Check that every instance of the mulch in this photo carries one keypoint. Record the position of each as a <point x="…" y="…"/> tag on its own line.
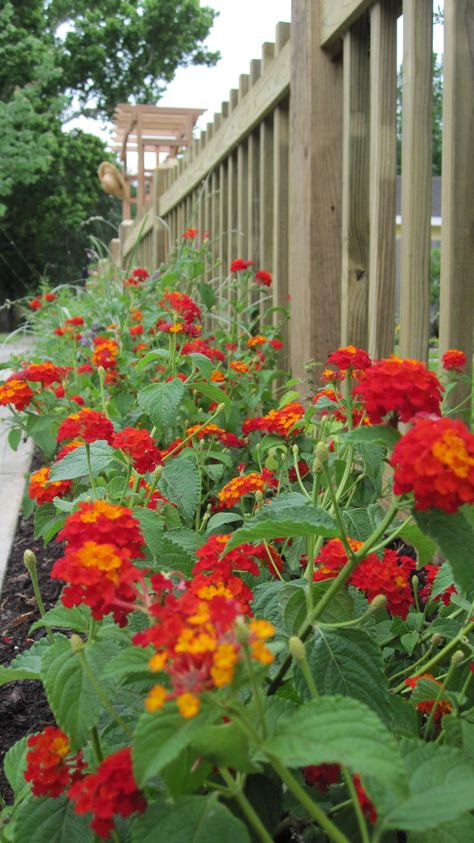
<point x="23" y="705"/>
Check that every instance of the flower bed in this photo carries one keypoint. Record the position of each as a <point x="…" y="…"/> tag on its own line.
<point x="265" y="625"/>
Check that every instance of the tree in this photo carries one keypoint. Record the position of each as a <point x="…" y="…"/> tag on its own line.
<point x="58" y="56"/>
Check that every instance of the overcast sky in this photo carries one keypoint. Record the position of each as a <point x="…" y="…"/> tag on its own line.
<point x="238" y="33"/>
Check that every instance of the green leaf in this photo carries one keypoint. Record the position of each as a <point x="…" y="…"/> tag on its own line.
<point x="74" y="465"/>
<point x="338" y="730"/>
<point x="460" y="830"/>
<point x="360" y="522"/>
<point x="161" y="401"/>
<point x="9" y="674"/>
<point x="347" y="662"/>
<point x="48" y="521"/>
<point x="151" y="525"/>
<point x="43" y="431"/>
<point x="160" y="737"/>
<point x="191" y="819"/>
<point x="71" y="696"/>
<point x="77" y="618"/>
<point x="455" y="537"/>
<point x="30" y="660"/>
<point x="441" y="787"/>
<point x="51" y="821"/>
<point x="207" y="294"/>
<point x="131" y="661"/>
<point x="424" y="546"/>
<point x="224" y="745"/>
<point x="14" y="438"/>
<point x="374" y="434"/>
<point x="287" y="515"/>
<point x="181" y="484"/>
<point x="220" y="519"/>
<point x="15" y="765"/>
<point x="213" y="393"/>
<point x="203" y="364"/>
<point x="155" y="354"/>
<point x="295" y="607"/>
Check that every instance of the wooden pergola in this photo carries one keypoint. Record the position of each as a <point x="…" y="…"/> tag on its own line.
<point x="149" y="128"/>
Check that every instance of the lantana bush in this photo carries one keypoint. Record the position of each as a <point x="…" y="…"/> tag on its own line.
<point x="265" y="630"/>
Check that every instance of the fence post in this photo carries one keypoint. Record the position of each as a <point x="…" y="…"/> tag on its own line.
<point x="160" y="183"/>
<point x="125" y="228"/>
<point x="457" y="209"/>
<point x="315" y="191"/>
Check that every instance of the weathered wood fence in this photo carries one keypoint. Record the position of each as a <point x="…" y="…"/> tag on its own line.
<point x="298" y="173"/>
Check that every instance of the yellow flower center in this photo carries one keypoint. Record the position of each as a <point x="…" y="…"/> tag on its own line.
<point x="451" y="450"/>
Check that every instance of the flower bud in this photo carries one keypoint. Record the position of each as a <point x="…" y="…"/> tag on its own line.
<point x="76" y="643"/>
<point x="317" y="465"/>
<point x="321" y="451"/>
<point x="457" y="657"/>
<point x="379" y="602"/>
<point x="259" y="496"/>
<point x="220" y="408"/>
<point x="437" y="640"/>
<point x="295" y="450"/>
<point x="297" y="648"/>
<point x="101" y="373"/>
<point x="29" y="559"/>
<point x="242" y="633"/>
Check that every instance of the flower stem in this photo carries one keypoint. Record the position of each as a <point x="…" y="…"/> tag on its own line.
<point x="30" y="565"/>
<point x="364" y="833"/>
<point x="89" y="468"/>
<point x="253" y="818"/>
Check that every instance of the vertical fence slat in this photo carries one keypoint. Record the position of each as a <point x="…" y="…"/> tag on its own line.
<point x="266" y="207"/>
<point x="253" y="189"/>
<point x="315" y="191"/>
<point x="355" y="185"/>
<point x="242" y="180"/>
<point x="415" y="246"/>
<point x="457" y="239"/>
<point x="281" y="141"/>
<point x="382" y="191"/>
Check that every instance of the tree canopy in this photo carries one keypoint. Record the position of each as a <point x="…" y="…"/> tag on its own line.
<point x="63" y="57"/>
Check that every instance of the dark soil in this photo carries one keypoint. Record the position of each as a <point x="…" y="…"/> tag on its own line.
<point x="23" y="705"/>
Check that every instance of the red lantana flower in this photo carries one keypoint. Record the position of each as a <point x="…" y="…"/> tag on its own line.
<point x="43" y="490"/>
<point x="426" y="706"/>
<point x="263" y="278"/>
<point x="140" y="273"/>
<point x="45" y="373"/>
<point x="88" y="425"/>
<point x="181" y="304"/>
<point x="16" y="392"/>
<point x="77" y="321"/>
<point x="390" y="576"/>
<point x="106" y="351"/>
<point x="201" y="347"/>
<point x="278" y="422"/>
<point x="322" y="776"/>
<point x="49" y="297"/>
<point x="229" y="440"/>
<point x="398" y="387"/>
<point x="140" y="447"/>
<point x="107" y="524"/>
<point x="190" y="234"/>
<point x="110" y="790"/>
<point x="435" y="460"/>
<point x="49" y="765"/>
<point x="236" y="488"/>
<point x="240" y="265"/>
<point x="34" y="304"/>
<point x="454" y="360"/>
<point x="349" y="358"/>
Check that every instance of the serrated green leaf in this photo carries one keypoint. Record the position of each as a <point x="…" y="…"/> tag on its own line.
<point x="287" y="515"/>
<point x="181" y="484"/>
<point x="225" y="746"/>
<point x="460" y="830"/>
<point x="441" y="787"/>
<point x="424" y="546"/>
<point x="160" y="737"/>
<point x="374" y="434"/>
<point x="455" y="538"/>
<point x="31" y="658"/>
<point x="347" y="662"/>
<point x="155" y="354"/>
<point x="203" y="364"/>
<point x="14" y="438"/>
<point x="50" y="821"/>
<point x="129" y="662"/>
<point x="339" y="730"/>
<point x="74" y="465"/>
<point x="14" y="765"/>
<point x="213" y="393"/>
<point x="295" y="608"/>
<point x="71" y="696"/>
<point x="191" y="819"/>
<point x="161" y="401"/>
<point x="76" y="618"/>
<point x="220" y="519"/>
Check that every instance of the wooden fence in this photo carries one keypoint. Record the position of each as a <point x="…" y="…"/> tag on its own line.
<point x="298" y="173"/>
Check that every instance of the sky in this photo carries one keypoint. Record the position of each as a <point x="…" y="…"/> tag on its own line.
<point x="238" y="33"/>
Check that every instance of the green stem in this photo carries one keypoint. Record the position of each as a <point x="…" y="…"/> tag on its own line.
<point x="96" y="745"/>
<point x="364" y="833"/>
<point x="89" y="468"/>
<point x="246" y="807"/>
<point x="30" y="565"/>
<point x="312" y="807"/>
<point x="442" y="688"/>
<point x="126" y="484"/>
<point x="102" y="696"/>
<point x="426" y="667"/>
<point x="256" y="692"/>
<point x="333" y="589"/>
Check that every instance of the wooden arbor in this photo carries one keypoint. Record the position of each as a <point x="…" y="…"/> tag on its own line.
<point x="141" y="129"/>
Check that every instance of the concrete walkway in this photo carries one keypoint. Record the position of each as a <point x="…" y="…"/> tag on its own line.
<point x="13" y="467"/>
